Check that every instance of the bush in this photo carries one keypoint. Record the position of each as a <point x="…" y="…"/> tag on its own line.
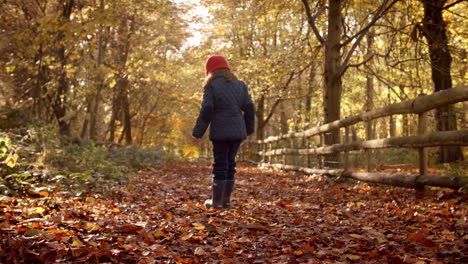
<point x="39" y="160"/>
<point x="14" y="118"/>
<point x="136" y="158"/>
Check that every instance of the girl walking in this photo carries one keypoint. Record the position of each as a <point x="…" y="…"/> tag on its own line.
<point x="228" y="109"/>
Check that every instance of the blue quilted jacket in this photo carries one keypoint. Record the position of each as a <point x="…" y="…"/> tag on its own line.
<point x="228" y="109"/>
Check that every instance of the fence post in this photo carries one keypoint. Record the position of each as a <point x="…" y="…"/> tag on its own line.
<point x="292" y="162"/>
<point x="422" y="124"/>
<point x="305" y="143"/>
<point x="277" y="146"/>
<point x="320" y="157"/>
<point x="264" y="149"/>
<point x="346" y="153"/>
<point x="284" y="154"/>
<point x="274" y="146"/>
<point x="269" y="150"/>
<point x="368" y="152"/>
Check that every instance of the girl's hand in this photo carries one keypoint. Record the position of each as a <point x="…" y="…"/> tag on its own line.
<point x="195" y="139"/>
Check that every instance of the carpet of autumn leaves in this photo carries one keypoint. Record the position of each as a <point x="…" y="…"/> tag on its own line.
<point x="276" y="218"/>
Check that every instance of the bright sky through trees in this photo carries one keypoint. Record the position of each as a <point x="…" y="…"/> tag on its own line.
<point x="197" y="16"/>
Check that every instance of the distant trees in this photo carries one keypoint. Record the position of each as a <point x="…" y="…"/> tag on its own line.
<point x="83" y="65"/>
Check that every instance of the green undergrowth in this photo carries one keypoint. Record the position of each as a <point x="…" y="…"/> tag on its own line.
<point x="38" y="162"/>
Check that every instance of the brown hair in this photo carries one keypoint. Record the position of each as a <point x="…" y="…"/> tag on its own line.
<point x="224" y="72"/>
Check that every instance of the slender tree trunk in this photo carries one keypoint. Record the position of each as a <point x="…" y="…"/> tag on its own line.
<point x="145" y="121"/>
<point x="114" y="116"/>
<point x="369" y="102"/>
<point x="59" y="103"/>
<point x="333" y="82"/>
<point x="283" y="120"/>
<point x="84" y="127"/>
<point x="308" y="98"/>
<point x="435" y="32"/>
<point x="127" y="117"/>
<point x="121" y="105"/>
<point x="37" y="93"/>
<point x="99" y="83"/>
<point x="369" y="86"/>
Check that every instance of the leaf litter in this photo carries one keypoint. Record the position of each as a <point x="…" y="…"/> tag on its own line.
<point x="277" y="217"/>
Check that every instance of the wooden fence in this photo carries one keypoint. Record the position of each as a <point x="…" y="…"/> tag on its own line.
<point x="273" y="148"/>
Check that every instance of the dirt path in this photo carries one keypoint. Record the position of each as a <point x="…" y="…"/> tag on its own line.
<point x="277" y="218"/>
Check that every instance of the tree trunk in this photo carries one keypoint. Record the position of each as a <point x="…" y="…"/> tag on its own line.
<point x="308" y="98"/>
<point x="120" y="103"/>
<point x="333" y="82"/>
<point x="369" y="103"/>
<point x="84" y="127"/>
<point x="59" y="103"/>
<point x="283" y="119"/>
<point x="127" y="116"/>
<point x="435" y="33"/>
<point x="99" y="83"/>
<point x="41" y="79"/>
<point x="114" y="114"/>
<point x="145" y="122"/>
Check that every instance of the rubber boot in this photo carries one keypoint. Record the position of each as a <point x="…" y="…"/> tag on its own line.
<point x="228" y="187"/>
<point x="217" y="199"/>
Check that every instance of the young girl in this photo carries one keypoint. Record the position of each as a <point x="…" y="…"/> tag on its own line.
<point x="228" y="109"/>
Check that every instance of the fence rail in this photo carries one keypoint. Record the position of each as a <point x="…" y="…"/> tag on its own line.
<point x="274" y="147"/>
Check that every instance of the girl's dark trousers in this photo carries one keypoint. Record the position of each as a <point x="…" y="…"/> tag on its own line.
<point x="224" y="153"/>
<point x="224" y="168"/>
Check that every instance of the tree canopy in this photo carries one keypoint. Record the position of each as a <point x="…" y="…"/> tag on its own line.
<point x="126" y="71"/>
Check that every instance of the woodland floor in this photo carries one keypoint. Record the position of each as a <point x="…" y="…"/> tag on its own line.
<point x="276" y="218"/>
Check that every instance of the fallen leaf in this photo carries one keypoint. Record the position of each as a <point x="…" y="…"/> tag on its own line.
<point x="76" y="242"/>
<point x="10" y="161"/>
<point x="298" y="253"/>
<point x="160" y="234"/>
<point x="356" y="236"/>
<point x="199" y="251"/>
<point x="351" y="257"/>
<point x="199" y="226"/>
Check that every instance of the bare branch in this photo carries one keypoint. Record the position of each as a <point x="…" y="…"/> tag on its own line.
<point x="360" y="63"/>
<point x="381" y="10"/>
<point x="454" y="3"/>
<point x="290" y="78"/>
<point x="311" y="20"/>
<point x="286" y="85"/>
<point x="360" y="35"/>
<point x="387" y="83"/>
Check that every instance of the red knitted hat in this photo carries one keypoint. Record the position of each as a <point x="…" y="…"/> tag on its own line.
<point x="216" y="62"/>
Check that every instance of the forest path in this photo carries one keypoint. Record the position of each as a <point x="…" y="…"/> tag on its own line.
<point x="277" y="217"/>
